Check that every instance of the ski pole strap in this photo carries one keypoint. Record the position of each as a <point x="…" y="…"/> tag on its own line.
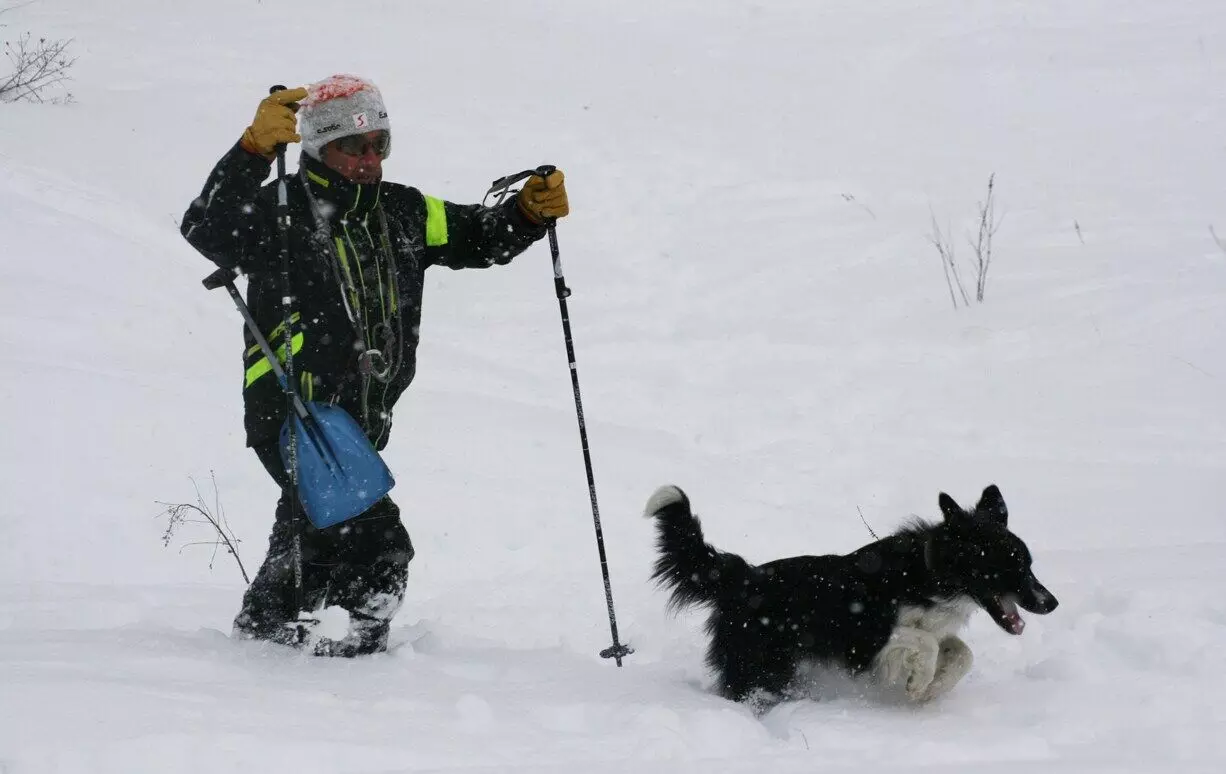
<point x="501" y="187"/>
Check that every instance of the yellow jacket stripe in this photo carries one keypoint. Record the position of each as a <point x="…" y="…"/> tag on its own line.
<point x="276" y="333"/>
<point x="436" y="222"/>
<point x="262" y="366"/>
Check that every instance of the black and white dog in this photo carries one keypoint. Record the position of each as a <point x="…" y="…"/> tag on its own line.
<point x="890" y="610"/>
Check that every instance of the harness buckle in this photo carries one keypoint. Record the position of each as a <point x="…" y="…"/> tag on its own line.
<point x="372" y="363"/>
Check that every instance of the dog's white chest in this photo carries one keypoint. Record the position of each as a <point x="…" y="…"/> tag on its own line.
<point x="942" y="620"/>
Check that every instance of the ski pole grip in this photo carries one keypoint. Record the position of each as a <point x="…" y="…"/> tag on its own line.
<point x="281" y="146"/>
<point x="220" y="278"/>
<point x="545" y="170"/>
<point x="274" y="89"/>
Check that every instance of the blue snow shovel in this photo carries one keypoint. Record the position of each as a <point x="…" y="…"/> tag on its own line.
<point x="340" y="475"/>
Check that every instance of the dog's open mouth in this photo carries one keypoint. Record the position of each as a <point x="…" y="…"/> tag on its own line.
<point x="1004" y="610"/>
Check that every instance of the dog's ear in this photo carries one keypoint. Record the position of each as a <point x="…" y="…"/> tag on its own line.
<point x="992" y="506"/>
<point x="950" y="509"/>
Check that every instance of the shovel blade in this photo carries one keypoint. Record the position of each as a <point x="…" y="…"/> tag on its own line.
<point x="340" y="475"/>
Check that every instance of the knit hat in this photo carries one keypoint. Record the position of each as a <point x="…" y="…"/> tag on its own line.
<point x="338" y="107"/>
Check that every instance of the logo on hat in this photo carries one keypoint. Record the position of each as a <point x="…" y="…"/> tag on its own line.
<point x="359" y="120"/>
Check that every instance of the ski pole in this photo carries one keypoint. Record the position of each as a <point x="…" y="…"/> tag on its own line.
<point x="287" y="305"/>
<point x="617" y="651"/>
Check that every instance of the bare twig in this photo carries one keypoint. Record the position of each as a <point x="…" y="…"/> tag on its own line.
<point x="37" y="65"/>
<point x="870" y="529"/>
<point x="1217" y="239"/>
<point x="178" y="514"/>
<point x="14" y="8"/>
<point x="982" y="243"/>
<point x="945" y="249"/>
<point x="852" y="200"/>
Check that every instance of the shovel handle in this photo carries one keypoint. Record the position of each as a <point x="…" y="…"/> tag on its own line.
<point x="220" y="278"/>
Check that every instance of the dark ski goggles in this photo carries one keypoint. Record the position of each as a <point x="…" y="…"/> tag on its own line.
<point x="358" y="144"/>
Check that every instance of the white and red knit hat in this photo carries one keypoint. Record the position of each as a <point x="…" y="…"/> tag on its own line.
<point x="338" y="107"/>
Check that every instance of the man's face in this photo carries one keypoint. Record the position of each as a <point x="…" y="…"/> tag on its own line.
<point x="358" y="157"/>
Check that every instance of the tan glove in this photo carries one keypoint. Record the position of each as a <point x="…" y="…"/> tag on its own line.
<point x="274" y="123"/>
<point x="544" y="198"/>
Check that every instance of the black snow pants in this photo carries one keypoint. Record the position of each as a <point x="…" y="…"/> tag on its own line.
<point x="360" y="566"/>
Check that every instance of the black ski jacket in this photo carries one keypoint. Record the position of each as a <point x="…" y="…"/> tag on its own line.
<point x="358" y="256"/>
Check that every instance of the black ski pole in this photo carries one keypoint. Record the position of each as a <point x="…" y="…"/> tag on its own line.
<point x="617" y="651"/>
<point x="287" y="302"/>
<point x="285" y="374"/>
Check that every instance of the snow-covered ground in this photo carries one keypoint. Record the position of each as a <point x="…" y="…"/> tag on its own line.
<point x="758" y="317"/>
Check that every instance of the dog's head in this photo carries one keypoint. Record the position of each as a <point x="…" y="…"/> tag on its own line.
<point x="975" y="554"/>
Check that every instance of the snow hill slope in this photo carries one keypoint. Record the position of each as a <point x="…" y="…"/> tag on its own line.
<point x="759" y="318"/>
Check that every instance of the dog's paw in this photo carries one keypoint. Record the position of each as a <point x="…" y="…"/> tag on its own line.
<point x="953" y="663"/>
<point x="921" y="670"/>
<point x="909" y="660"/>
<point x="891" y="664"/>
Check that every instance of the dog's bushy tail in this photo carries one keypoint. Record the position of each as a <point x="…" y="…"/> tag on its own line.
<point x="693" y="570"/>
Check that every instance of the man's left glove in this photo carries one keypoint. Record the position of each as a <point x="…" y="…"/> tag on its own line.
<point x="544" y="198"/>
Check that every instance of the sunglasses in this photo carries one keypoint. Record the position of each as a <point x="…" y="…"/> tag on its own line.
<point x="359" y="144"/>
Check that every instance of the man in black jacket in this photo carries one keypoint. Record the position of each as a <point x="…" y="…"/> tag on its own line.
<point x="359" y="249"/>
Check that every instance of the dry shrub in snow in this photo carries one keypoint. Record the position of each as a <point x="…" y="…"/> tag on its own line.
<point x="35" y="65"/>
<point x="981" y="246"/>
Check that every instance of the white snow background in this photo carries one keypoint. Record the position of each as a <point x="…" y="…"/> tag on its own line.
<point x="758" y="317"/>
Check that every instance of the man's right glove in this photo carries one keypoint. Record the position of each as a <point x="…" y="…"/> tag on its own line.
<point x="274" y="123"/>
<point x="544" y="198"/>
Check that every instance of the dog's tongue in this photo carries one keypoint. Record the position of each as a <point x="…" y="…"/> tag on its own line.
<point x="1013" y="619"/>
